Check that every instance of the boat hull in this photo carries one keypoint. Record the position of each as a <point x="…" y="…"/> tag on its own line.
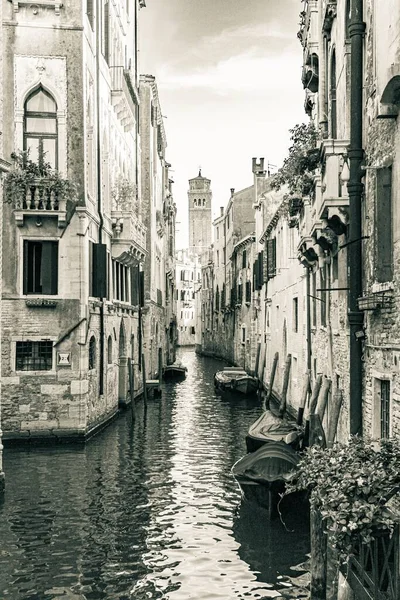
<point x="235" y="381"/>
<point x="174" y="372"/>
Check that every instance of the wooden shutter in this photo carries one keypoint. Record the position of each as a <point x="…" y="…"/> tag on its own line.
<point x="49" y="267"/>
<point x="106" y="32"/>
<point x="384" y="225"/>
<point x="141" y="288"/>
<point x="99" y="270"/>
<point x="271" y="258"/>
<point x="260" y="269"/>
<point x="244" y="259"/>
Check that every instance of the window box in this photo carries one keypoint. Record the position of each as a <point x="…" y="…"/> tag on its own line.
<point x="375" y="301"/>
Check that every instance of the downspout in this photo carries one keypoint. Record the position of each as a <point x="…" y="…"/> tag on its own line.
<point x="308" y="313"/>
<point x="99" y="190"/>
<point x="323" y="120"/>
<point x="355" y="189"/>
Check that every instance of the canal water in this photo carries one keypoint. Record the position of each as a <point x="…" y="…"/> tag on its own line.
<point x="147" y="509"/>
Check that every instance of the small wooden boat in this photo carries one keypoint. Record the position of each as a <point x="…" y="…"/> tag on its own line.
<point x="235" y="379"/>
<point x="271" y="428"/>
<point x="175" y="371"/>
<point x="262" y="474"/>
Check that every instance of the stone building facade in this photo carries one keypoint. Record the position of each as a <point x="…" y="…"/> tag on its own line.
<point x="188" y="283"/>
<point x="73" y="294"/>
<point x="158" y="213"/>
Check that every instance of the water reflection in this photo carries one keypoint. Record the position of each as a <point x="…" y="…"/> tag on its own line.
<point x="148" y="509"/>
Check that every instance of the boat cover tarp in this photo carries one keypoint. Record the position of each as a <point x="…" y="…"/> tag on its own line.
<point x="271" y="427"/>
<point x="275" y="461"/>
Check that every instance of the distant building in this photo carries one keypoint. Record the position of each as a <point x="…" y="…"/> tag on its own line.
<point x="199" y="199"/>
<point x="188" y="281"/>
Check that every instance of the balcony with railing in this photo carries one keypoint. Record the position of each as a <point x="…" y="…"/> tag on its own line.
<point x="124" y="96"/>
<point x="39" y="199"/>
<point x="334" y="199"/>
<point x="128" y="243"/>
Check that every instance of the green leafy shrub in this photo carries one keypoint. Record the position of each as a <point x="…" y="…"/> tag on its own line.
<point x="349" y="486"/>
<point x="297" y="171"/>
<point x="27" y="173"/>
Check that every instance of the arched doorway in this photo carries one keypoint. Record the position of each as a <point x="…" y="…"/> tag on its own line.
<point x="123" y="366"/>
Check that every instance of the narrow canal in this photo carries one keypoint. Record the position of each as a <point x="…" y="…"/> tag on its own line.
<point x="147" y="509"/>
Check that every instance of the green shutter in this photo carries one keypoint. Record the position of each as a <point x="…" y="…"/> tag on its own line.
<point x="384" y="225"/>
<point x="99" y="270"/>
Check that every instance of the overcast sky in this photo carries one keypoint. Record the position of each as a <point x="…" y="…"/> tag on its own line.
<point x="228" y="74"/>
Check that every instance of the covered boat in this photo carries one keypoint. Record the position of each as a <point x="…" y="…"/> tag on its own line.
<point x="175" y="371"/>
<point x="262" y="474"/>
<point x="271" y="428"/>
<point x="235" y="379"/>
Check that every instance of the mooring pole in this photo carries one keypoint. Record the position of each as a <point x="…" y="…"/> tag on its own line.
<point x="271" y="381"/>
<point x="144" y="380"/>
<point x="285" y="385"/>
<point x="131" y="386"/>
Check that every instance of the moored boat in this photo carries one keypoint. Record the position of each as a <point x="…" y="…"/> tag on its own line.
<point x="235" y="379"/>
<point x="271" y="428"/>
<point x="263" y="474"/>
<point x="175" y="371"/>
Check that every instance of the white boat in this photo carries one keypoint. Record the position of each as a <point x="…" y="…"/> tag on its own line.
<point x="235" y="379"/>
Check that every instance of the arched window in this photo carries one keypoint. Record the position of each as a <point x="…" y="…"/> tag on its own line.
<point x="195" y="202"/>
<point x="204" y="202"/>
<point x="40" y="127"/>
<point x="109" y="350"/>
<point x="333" y="116"/>
<point x="92" y="353"/>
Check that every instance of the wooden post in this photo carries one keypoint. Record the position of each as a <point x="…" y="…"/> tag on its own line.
<point x="323" y="398"/>
<point x="318" y="557"/>
<point x="144" y="380"/>
<point x="271" y="381"/>
<point x="311" y="408"/>
<point x="257" y="359"/>
<point x="314" y="394"/>
<point x="282" y="407"/>
<point x="304" y="394"/>
<point x="334" y="417"/>
<point x="131" y="386"/>
<point x="160" y="364"/>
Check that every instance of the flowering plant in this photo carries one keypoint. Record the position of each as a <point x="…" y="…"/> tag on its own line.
<point x="349" y="485"/>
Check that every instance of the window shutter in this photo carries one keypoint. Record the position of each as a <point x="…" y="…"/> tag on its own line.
<point x="271" y="258"/>
<point x="99" y="270"/>
<point x="135" y="285"/>
<point x="26" y="269"/>
<point x="49" y="267"/>
<point x="107" y="32"/>
<point x="90" y="12"/>
<point x="384" y="226"/>
<point x="141" y="288"/>
<point x="260" y="269"/>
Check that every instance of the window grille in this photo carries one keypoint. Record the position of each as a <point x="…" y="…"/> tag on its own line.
<point x="34" y="356"/>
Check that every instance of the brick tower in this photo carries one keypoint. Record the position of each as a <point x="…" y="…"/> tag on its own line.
<point x="199" y="198"/>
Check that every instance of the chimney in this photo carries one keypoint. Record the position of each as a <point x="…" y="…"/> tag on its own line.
<point x="232" y="191"/>
<point x="221" y="208"/>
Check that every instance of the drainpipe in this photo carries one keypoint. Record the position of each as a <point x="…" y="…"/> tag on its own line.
<point x="355" y="189"/>
<point x="99" y="190"/>
<point x="308" y="311"/>
<point x="323" y="121"/>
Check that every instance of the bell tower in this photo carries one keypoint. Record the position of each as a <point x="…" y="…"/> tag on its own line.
<point x="199" y="198"/>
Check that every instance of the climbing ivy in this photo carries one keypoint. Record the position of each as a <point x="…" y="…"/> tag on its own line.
<point x="349" y="486"/>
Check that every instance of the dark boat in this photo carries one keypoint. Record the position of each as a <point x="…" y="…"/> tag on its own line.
<point x="262" y="474"/>
<point x="271" y="428"/>
<point x="175" y="371"/>
<point x="235" y="379"/>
